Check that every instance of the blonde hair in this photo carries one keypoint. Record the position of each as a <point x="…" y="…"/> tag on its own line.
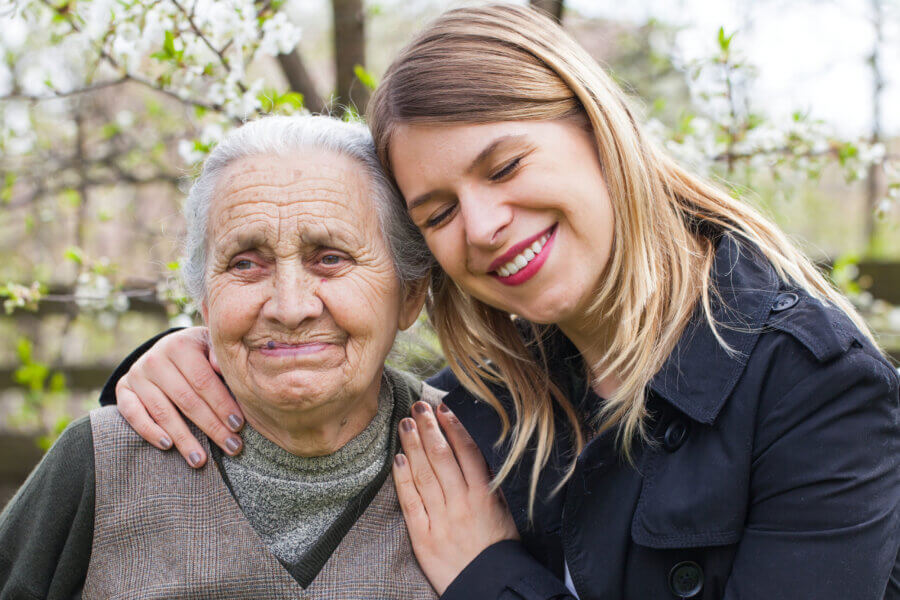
<point x="504" y="63"/>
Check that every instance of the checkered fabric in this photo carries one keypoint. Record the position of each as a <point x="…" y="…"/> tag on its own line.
<point x="165" y="530"/>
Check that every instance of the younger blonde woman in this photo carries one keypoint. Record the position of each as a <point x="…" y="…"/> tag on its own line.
<point x="686" y="407"/>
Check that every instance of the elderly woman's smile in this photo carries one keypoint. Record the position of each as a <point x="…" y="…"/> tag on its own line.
<point x="302" y="299"/>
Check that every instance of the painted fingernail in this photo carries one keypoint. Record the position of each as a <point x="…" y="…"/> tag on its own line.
<point x="444" y="408"/>
<point x="407" y="425"/>
<point x="194" y="459"/>
<point x="165" y="442"/>
<point x="233" y="444"/>
<point x="235" y="422"/>
<point x="399" y="460"/>
<point x="421" y="407"/>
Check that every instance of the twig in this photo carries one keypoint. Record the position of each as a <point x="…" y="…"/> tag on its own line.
<point x="209" y="45"/>
<point x="66" y="94"/>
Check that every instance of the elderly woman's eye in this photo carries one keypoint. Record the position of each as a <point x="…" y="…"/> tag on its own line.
<point x="332" y="259"/>
<point x="243" y="265"/>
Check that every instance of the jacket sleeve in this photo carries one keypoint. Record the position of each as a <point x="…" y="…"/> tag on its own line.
<point x="824" y="520"/>
<point x="108" y="395"/>
<point x="46" y="530"/>
<point x="506" y="571"/>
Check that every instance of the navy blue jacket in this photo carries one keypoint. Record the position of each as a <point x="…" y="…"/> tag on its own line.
<point x="772" y="472"/>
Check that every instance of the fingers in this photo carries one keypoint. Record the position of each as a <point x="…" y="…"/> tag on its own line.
<point x="410" y="502"/>
<point x="189" y="355"/>
<point x="193" y="406"/>
<point x="440" y="454"/>
<point x="130" y="407"/>
<point x="468" y="454"/>
<point x="164" y="413"/>
<point x="423" y="476"/>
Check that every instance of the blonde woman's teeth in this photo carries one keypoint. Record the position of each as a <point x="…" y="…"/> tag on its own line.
<point x="525" y="257"/>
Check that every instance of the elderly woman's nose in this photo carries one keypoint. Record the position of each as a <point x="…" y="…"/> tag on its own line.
<point x="484" y="216"/>
<point x="293" y="297"/>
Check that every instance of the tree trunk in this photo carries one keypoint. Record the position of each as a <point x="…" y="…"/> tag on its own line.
<point x="876" y="170"/>
<point x="553" y="8"/>
<point x="349" y="51"/>
<point x="298" y="78"/>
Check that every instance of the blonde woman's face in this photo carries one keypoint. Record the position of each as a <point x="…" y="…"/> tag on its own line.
<point x="516" y="212"/>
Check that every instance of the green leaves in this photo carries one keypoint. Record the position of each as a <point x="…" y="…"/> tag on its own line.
<point x="273" y="102"/>
<point x="9" y="180"/>
<point x="847" y="151"/>
<point x="168" y="52"/>
<point x="844" y="273"/>
<point x="75" y="254"/>
<point x="70" y="197"/>
<point x="725" y="40"/>
<point x="31" y="374"/>
<point x="365" y="77"/>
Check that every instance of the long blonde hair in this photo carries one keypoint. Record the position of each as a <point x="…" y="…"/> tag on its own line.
<point x="504" y="63"/>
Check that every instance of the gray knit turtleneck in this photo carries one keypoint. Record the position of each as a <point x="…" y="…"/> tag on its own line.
<point x="292" y="500"/>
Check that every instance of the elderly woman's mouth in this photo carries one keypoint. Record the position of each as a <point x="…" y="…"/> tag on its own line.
<point x="276" y="349"/>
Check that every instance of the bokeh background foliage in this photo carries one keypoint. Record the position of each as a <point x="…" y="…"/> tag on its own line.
<point x="108" y="106"/>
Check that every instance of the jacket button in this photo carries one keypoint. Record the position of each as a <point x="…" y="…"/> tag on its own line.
<point x="686" y="579"/>
<point x="785" y="301"/>
<point x="676" y="434"/>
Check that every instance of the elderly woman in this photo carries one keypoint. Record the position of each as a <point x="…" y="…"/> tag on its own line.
<point x="305" y="269"/>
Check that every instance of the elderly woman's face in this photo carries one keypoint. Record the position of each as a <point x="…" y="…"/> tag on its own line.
<point x="302" y="299"/>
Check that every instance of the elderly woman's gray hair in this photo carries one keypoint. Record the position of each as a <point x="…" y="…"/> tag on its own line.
<point x="282" y="136"/>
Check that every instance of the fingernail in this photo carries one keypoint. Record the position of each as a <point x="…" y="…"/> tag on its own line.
<point x="421" y="407"/>
<point x="399" y="460"/>
<point x="235" y="422"/>
<point x="407" y="425"/>
<point x="165" y="442"/>
<point x="233" y="444"/>
<point x="194" y="459"/>
<point x="444" y="408"/>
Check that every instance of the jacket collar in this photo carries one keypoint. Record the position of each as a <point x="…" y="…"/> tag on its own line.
<point x="700" y="374"/>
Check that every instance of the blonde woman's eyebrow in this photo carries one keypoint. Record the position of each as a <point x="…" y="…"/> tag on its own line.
<point x="481" y="158"/>
<point x="490" y="148"/>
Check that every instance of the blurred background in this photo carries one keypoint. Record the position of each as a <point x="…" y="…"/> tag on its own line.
<point x="108" y="106"/>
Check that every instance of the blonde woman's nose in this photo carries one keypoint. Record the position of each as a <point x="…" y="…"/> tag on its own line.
<point x="485" y="217"/>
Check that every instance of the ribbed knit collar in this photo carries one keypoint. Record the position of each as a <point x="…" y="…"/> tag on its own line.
<point x="264" y="456"/>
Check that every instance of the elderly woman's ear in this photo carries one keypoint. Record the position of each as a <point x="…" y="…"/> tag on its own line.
<point x="416" y="293"/>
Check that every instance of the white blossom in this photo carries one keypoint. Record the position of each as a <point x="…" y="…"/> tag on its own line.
<point x="15" y="32"/>
<point x="189" y="153"/>
<point x="125" y="119"/>
<point x="280" y="36"/>
<point x="181" y="320"/>
<point x="893" y="318"/>
<point x="119" y="303"/>
<point x="211" y="134"/>
<point x="92" y="291"/>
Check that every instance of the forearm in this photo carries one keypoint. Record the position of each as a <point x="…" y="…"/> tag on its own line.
<point x="108" y="394"/>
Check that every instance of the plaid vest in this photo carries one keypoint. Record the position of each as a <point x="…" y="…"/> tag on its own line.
<point x="165" y="530"/>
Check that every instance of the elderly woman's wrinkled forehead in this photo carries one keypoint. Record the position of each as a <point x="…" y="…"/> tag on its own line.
<point x="321" y="201"/>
